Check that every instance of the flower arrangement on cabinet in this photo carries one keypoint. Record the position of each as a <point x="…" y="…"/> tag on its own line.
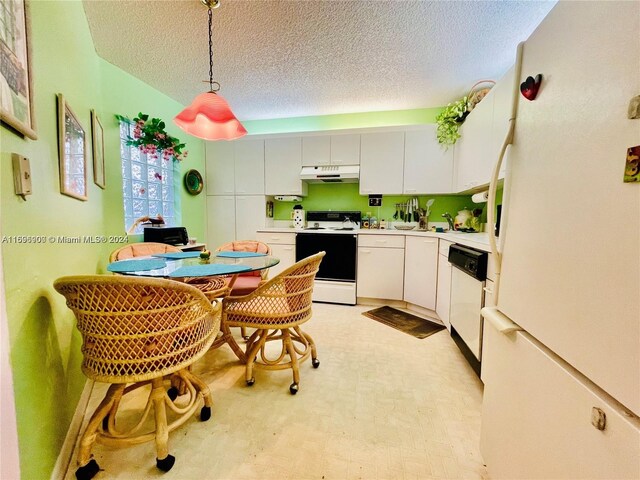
<point x="151" y="138"/>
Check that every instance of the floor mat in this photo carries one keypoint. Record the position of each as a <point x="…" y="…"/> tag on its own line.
<point x="405" y="322"/>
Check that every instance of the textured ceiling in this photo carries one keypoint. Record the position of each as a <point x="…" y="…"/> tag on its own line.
<point x="296" y="58"/>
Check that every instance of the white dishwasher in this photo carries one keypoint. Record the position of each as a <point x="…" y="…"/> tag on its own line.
<point x="467" y="299"/>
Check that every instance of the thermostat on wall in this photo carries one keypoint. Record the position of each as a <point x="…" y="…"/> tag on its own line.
<point x="21" y="175"/>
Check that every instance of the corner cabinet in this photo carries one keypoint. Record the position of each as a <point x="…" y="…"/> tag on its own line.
<point x="381" y="163"/>
<point x="282" y="165"/>
<point x="421" y="271"/>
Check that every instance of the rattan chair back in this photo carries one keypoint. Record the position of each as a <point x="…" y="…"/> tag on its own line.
<point x="247" y="246"/>
<point x="142" y="249"/>
<point x="284" y="301"/>
<point x="136" y="329"/>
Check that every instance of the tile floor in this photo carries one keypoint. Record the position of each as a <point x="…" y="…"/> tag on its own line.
<point x="382" y="405"/>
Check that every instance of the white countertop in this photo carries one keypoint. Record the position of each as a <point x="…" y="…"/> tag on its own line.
<point x="473" y="240"/>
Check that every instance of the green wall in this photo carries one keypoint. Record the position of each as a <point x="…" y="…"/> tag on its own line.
<point x="346" y="197"/>
<point x="45" y="347"/>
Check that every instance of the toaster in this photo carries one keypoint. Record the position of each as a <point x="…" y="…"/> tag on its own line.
<point x="169" y="235"/>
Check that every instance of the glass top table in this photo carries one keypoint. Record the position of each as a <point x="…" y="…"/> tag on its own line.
<point x="251" y="264"/>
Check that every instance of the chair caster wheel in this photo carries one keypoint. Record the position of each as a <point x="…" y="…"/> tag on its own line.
<point x="251" y="381"/>
<point x="205" y="414"/>
<point x="166" y="463"/>
<point x="88" y="471"/>
<point x="293" y="388"/>
<point x="315" y="362"/>
<point x="173" y="393"/>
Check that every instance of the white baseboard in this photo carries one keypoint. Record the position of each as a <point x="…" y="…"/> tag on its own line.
<point x="424" y="312"/>
<point x="378" y="302"/>
<point x="66" y="452"/>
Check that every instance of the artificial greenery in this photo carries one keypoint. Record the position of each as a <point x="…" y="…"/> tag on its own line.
<point x="151" y="138"/>
<point x="450" y="119"/>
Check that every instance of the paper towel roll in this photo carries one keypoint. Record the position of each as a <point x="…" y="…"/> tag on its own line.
<point x="481" y="197"/>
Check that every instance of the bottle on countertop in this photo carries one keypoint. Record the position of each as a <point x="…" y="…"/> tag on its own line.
<point x="383" y="224"/>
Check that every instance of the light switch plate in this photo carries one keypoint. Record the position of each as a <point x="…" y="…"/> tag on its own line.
<point x="21" y="174"/>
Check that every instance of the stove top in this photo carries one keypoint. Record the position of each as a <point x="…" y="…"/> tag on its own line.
<point x="333" y="221"/>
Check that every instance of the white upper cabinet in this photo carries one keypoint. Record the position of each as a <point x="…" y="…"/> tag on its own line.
<point x="220" y="159"/>
<point x="482" y="135"/>
<point x="249" y="167"/>
<point x="473" y="162"/>
<point x="282" y="165"/>
<point x="381" y="163"/>
<point x="428" y="167"/>
<point x="316" y="151"/>
<point x="345" y="149"/>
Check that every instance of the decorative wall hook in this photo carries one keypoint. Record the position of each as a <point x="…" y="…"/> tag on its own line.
<point x="529" y="88"/>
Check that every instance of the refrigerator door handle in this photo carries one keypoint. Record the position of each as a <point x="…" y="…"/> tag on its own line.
<point x="499" y="320"/>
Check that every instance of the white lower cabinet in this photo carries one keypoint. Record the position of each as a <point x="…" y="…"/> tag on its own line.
<point x="380" y="269"/>
<point x="250" y="216"/>
<point x="443" y="297"/>
<point x="221" y="220"/>
<point x="232" y="218"/>
<point x="420" y="271"/>
<point x="283" y="247"/>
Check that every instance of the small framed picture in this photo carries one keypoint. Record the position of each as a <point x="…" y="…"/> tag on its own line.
<point x="16" y="106"/>
<point x="72" y="152"/>
<point x="97" y="137"/>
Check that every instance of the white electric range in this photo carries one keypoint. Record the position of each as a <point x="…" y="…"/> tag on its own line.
<point x="334" y="232"/>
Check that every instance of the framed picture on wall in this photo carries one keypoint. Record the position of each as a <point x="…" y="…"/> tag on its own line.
<point x="97" y="137"/>
<point x="72" y="152"/>
<point x="16" y="98"/>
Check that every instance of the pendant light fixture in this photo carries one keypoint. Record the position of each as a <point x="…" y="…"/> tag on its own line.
<point x="209" y="116"/>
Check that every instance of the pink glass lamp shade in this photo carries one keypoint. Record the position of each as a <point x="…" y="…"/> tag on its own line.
<point x="209" y="117"/>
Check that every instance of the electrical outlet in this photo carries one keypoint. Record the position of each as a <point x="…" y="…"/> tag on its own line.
<point x="21" y="175"/>
<point x="375" y="200"/>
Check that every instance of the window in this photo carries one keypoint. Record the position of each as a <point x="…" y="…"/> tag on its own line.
<point x="147" y="183"/>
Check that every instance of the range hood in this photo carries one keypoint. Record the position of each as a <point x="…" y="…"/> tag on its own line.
<point x="331" y="174"/>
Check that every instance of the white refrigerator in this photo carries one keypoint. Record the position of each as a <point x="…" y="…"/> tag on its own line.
<point x="561" y="349"/>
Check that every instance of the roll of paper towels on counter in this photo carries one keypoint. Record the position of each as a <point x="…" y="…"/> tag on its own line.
<point x="481" y="197"/>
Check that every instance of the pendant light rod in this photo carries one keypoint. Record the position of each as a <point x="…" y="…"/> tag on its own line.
<point x="209" y="116"/>
<point x="211" y="4"/>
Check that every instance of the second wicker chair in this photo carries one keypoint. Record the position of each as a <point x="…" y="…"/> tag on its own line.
<point x="276" y="309"/>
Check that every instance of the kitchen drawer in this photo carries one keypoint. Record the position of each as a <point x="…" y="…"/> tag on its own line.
<point x="276" y="238"/>
<point x="388" y="241"/>
<point x="443" y="249"/>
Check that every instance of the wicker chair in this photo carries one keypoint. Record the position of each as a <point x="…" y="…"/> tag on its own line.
<point x="138" y="331"/>
<point x="247" y="282"/>
<point x="142" y="249"/>
<point x="276" y="309"/>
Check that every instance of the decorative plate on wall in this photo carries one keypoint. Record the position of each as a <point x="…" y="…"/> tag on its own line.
<point x="193" y="182"/>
